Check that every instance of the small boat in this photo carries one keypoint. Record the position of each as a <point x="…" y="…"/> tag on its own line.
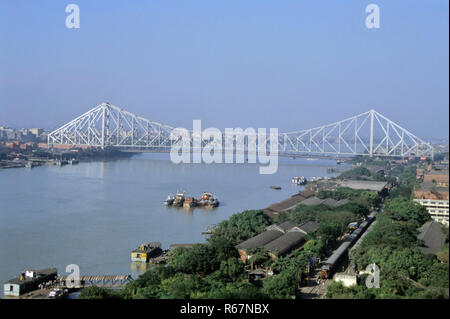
<point x="189" y="202"/>
<point x="29" y="164"/>
<point x="169" y="200"/>
<point x="146" y="251"/>
<point x="275" y="187"/>
<point x="179" y="199"/>
<point x="208" y="200"/>
<point x="213" y="202"/>
<point x="203" y="201"/>
<point x="73" y="161"/>
<point x="60" y="162"/>
<point x="299" y="180"/>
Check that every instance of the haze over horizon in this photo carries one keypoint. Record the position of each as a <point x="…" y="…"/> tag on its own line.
<point x="291" y="65"/>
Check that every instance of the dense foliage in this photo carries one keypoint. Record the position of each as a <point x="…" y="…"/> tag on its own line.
<point x="361" y="197"/>
<point x="240" y="227"/>
<point x="359" y="172"/>
<point x="405" y="272"/>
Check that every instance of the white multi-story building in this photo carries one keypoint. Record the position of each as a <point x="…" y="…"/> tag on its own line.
<point x="438" y="208"/>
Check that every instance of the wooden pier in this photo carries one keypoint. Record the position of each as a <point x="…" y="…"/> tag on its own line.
<point x="107" y="281"/>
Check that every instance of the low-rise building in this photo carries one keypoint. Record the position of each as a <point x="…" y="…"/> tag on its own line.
<point x="439" y="177"/>
<point x="287" y="204"/>
<point x="375" y="186"/>
<point x="28" y="281"/>
<point x="432" y="237"/>
<point x="435" y="199"/>
<point x="279" y="240"/>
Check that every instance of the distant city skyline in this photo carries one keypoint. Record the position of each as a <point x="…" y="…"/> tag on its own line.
<point x="291" y="65"/>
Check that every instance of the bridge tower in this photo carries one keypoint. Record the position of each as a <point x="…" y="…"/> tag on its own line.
<point x="372" y="113"/>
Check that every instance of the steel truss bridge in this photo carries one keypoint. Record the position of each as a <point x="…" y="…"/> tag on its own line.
<point x="366" y="134"/>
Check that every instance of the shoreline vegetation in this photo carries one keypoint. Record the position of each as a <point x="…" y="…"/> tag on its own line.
<point x="213" y="269"/>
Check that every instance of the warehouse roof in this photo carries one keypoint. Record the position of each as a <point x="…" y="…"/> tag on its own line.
<point x="364" y="185"/>
<point x="432" y="236"/>
<point x="285" y="243"/>
<point x="261" y="239"/>
<point x="40" y="273"/>
<point x="309" y="227"/>
<point x="312" y="201"/>
<point x="284" y="226"/>
<point x="288" y="203"/>
<point x="280" y="239"/>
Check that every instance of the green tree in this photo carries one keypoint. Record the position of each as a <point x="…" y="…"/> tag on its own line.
<point x="95" y="292"/>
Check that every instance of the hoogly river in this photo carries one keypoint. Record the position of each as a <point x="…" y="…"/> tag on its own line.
<point x="94" y="213"/>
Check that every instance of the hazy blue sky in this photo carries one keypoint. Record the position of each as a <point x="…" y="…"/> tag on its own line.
<point x="249" y="63"/>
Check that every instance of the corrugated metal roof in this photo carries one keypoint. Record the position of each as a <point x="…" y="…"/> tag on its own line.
<point x="285" y="243"/>
<point x="312" y="201"/>
<point x="261" y="239"/>
<point x="279" y="239"/>
<point x="432" y="236"/>
<point x="309" y="227"/>
<point x="40" y="273"/>
<point x="284" y="226"/>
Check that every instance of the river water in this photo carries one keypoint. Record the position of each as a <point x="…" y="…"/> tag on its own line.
<point x="94" y="213"/>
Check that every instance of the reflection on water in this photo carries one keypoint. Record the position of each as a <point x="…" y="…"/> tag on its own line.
<point x="93" y="214"/>
<point x="138" y="268"/>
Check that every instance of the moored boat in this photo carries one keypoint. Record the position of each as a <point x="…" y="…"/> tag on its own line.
<point x="208" y="200"/>
<point x="179" y="199"/>
<point x="299" y="180"/>
<point x="189" y="202"/>
<point x="169" y="200"/>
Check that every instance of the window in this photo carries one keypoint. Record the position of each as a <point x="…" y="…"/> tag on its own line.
<point x="11" y="288"/>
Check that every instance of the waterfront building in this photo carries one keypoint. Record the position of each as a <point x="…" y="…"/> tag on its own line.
<point x="28" y="281"/>
<point x="287" y="204"/>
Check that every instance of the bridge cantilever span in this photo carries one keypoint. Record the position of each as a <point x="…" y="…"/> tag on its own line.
<point x="368" y="134"/>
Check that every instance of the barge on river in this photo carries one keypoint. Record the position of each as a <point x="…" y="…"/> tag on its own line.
<point x="146" y="251"/>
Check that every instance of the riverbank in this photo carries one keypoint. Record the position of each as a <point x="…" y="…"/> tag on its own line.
<point x="58" y="157"/>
